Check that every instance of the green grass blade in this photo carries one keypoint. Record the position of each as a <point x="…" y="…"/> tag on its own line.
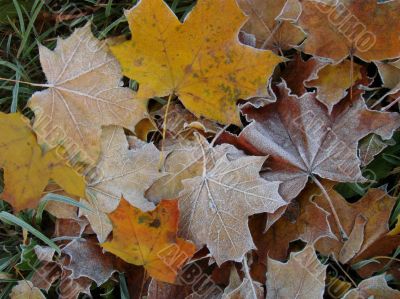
<point x="7" y="217"/>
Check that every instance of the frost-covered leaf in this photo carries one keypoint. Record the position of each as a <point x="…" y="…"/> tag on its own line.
<point x="302" y="277"/>
<point x="371" y="212"/>
<point x="333" y="80"/>
<point x="238" y="289"/>
<point x="24" y="290"/>
<point x="270" y="31"/>
<point x="298" y="71"/>
<point x="88" y="260"/>
<point x="303" y="139"/>
<point x="123" y="171"/>
<point x="302" y="220"/>
<point x="374" y="287"/>
<point x="186" y="161"/>
<point x="215" y="206"/>
<point x="83" y="94"/>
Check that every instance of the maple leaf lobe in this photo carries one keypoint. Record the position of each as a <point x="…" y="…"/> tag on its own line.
<point x="199" y="60"/>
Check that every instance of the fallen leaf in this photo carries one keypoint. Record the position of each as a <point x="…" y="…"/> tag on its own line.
<point x="215" y="206"/>
<point x="303" y="220"/>
<point x="396" y="229"/>
<point x="163" y="290"/>
<point x="375" y="207"/>
<point x="291" y="11"/>
<point x="88" y="260"/>
<point x="365" y="28"/>
<point x="245" y="289"/>
<point x="83" y="94"/>
<point x="24" y="289"/>
<point x="270" y="31"/>
<point x="374" y="287"/>
<point x="186" y="161"/>
<point x="44" y="277"/>
<point x="356" y="238"/>
<point x="144" y="128"/>
<point x="44" y="253"/>
<point x="71" y="288"/>
<point x="27" y="170"/>
<point x="303" y="276"/>
<point x="303" y="139"/>
<point x="380" y="252"/>
<point x="333" y="80"/>
<point x="371" y="146"/>
<point x="123" y="171"/>
<point x="180" y="122"/>
<point x="390" y="73"/>
<point x="209" y="71"/>
<point x="298" y="71"/>
<point x="69" y="227"/>
<point x="99" y="221"/>
<point x="149" y="239"/>
<point x="60" y="209"/>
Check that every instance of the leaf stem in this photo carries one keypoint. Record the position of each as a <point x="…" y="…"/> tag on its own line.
<point x="342" y="232"/>
<point x="164" y="131"/>
<point x="248" y="276"/>
<point x="391" y="105"/>
<point x="218" y="135"/>
<point x="25" y="82"/>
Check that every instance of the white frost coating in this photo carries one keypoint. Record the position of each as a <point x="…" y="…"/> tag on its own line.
<point x="301" y="138"/>
<point x="215" y="207"/>
<point x="83" y="95"/>
<point x="373" y="287"/>
<point x="302" y="277"/>
<point x="124" y="172"/>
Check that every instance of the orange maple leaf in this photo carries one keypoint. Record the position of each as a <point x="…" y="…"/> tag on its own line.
<point x="149" y="239"/>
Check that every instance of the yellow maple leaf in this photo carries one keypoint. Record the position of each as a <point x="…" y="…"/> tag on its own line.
<point x="200" y="60"/>
<point x="26" y="169"/>
<point x="149" y="239"/>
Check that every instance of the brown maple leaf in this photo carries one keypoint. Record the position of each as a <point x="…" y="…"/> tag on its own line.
<point x="365" y="222"/>
<point x="302" y="220"/>
<point x="303" y="140"/>
<point x="266" y="23"/>
<point x="364" y="28"/>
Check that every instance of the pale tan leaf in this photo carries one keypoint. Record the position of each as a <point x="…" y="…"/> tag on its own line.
<point x="124" y="172"/>
<point x="215" y="206"/>
<point x="302" y="277"/>
<point x="374" y="287"/>
<point x="186" y="161"/>
<point x="99" y="221"/>
<point x="83" y="94"/>
<point x="238" y="289"/>
<point x="44" y="253"/>
<point x="25" y="290"/>
<point x="356" y="238"/>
